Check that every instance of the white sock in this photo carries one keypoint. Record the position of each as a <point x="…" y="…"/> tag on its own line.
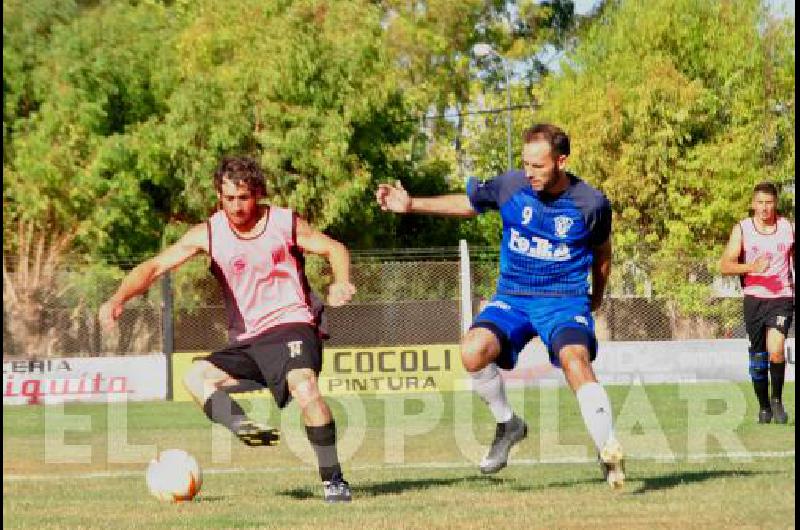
<point x="596" y="412"/>
<point x="488" y="384"/>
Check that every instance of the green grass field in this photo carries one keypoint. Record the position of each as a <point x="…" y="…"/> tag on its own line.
<point x="696" y="458"/>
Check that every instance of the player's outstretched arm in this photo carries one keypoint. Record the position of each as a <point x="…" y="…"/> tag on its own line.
<point x="143" y="275"/>
<point x="394" y="198"/>
<point x="311" y="240"/>
<point x="729" y="263"/>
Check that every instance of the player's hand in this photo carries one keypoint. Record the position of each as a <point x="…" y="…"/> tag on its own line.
<point x="340" y="293"/>
<point x="393" y="198"/>
<point x="109" y="313"/>
<point x="760" y="264"/>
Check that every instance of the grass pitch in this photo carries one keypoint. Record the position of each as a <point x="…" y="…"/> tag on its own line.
<point x="696" y="458"/>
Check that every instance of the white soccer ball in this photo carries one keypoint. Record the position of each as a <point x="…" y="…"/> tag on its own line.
<point x="174" y="476"/>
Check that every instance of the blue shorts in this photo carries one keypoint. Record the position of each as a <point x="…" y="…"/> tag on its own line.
<point x="558" y="321"/>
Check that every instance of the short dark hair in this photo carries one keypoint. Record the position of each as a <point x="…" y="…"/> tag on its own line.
<point x="555" y="136"/>
<point x="766" y="187"/>
<point x="240" y="169"/>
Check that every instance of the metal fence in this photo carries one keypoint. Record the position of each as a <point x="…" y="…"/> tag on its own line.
<point x="410" y="297"/>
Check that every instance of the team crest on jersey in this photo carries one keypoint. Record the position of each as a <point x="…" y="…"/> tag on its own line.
<point x="238" y="264"/>
<point x="563" y="224"/>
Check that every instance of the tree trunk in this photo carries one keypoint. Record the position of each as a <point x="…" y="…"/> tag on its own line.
<point x="30" y="289"/>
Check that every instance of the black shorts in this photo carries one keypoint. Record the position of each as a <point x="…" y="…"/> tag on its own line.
<point x="761" y="314"/>
<point x="267" y="359"/>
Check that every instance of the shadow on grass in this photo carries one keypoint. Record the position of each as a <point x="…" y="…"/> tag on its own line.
<point x="652" y="483"/>
<point x="691" y="477"/>
<point x="560" y="484"/>
<point x="209" y="498"/>
<point x="395" y="487"/>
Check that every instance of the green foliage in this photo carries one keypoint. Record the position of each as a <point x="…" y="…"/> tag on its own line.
<point x="670" y="108"/>
<point x="116" y="112"/>
<point x="69" y="163"/>
<point x="134" y="103"/>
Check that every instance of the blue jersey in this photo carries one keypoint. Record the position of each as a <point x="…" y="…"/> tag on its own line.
<point x="548" y="242"/>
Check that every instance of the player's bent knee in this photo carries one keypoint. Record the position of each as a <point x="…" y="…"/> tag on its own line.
<point x="200" y="374"/>
<point x="304" y="388"/>
<point x="776" y="346"/>
<point x="193" y="380"/>
<point x="778" y="357"/>
<point x="574" y="360"/>
<point x="473" y="363"/>
<point x="574" y="341"/>
<point x="479" y="348"/>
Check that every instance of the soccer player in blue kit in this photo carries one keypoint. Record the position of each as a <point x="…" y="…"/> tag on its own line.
<point x="556" y="229"/>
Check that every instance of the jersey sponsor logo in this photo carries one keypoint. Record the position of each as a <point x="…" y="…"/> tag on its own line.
<point x="499" y="304"/>
<point x="580" y="319"/>
<point x="537" y="247"/>
<point x="295" y="348"/>
<point x="562" y="224"/>
<point x="238" y="264"/>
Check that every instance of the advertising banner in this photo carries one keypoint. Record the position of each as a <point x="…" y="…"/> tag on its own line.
<point x="84" y="379"/>
<point x="387" y="369"/>
<point x="438" y="367"/>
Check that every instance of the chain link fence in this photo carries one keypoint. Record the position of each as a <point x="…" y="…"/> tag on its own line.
<point x="408" y="297"/>
<point x="401" y="298"/>
<point x="651" y="299"/>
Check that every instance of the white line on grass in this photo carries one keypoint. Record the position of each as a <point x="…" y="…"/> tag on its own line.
<point x="694" y="457"/>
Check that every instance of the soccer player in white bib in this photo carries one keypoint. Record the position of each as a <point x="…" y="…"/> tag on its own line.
<point x="760" y="250"/>
<point x="256" y="253"/>
<point x="556" y="229"/>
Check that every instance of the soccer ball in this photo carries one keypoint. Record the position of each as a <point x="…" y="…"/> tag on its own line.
<point x="174" y="476"/>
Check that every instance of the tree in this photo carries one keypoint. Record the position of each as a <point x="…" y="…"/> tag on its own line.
<point x="431" y="46"/>
<point x="670" y="107"/>
<point x="117" y="115"/>
<point x="78" y="79"/>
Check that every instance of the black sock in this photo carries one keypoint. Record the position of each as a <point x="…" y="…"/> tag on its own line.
<point x="323" y="440"/>
<point x="761" y="386"/>
<point x="220" y="408"/>
<point x="776" y="373"/>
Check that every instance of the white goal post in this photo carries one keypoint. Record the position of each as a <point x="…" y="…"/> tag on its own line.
<point x="465" y="275"/>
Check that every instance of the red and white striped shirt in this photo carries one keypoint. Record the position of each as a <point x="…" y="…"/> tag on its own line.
<point x="262" y="277"/>
<point x="776" y="281"/>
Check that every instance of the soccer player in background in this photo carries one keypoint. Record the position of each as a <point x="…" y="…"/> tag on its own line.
<point x="256" y="252"/>
<point x="556" y="229"/>
<point x="760" y="250"/>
